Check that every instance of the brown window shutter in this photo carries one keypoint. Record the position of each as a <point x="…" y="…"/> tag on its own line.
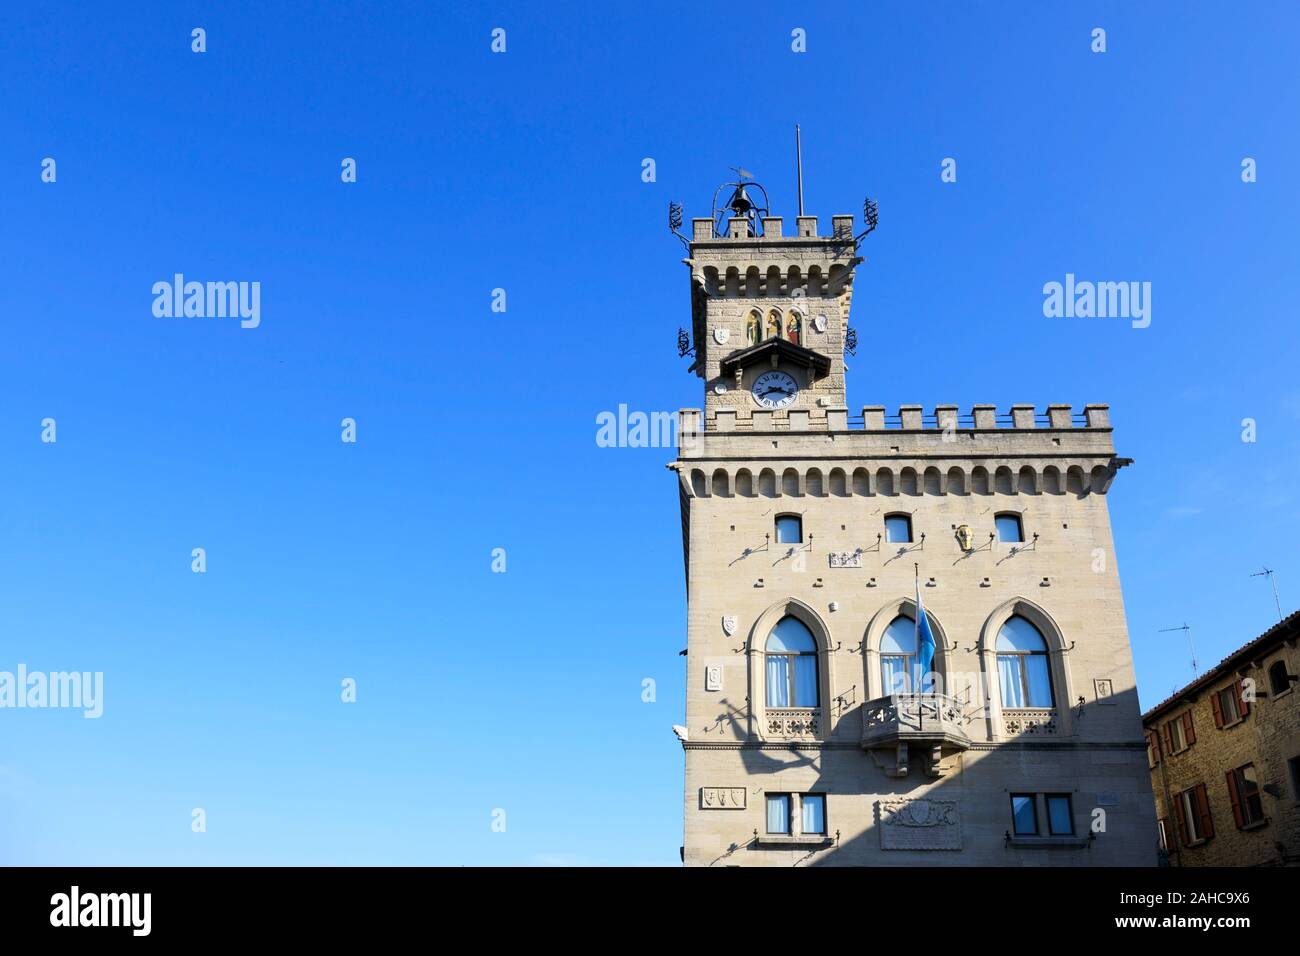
<point x="1169" y="737"/>
<point x="1163" y="824"/>
<point x="1189" y="732"/>
<point x="1235" y="797"/>
<point x="1153" y="741"/>
<point x="1244" y="705"/>
<point x="1203" y="810"/>
<point x="1181" y="817"/>
<point x="1218" y="710"/>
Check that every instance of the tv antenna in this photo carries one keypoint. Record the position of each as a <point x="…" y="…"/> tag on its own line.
<point x="1188" y="630"/>
<point x="1269" y="573"/>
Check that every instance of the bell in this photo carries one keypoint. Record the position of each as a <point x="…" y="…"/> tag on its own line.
<point x="740" y="202"/>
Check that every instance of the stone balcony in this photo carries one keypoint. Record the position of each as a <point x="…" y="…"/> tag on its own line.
<point x="933" y="723"/>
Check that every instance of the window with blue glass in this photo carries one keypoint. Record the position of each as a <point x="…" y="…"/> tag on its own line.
<point x="789" y="529"/>
<point x="1024" y="672"/>
<point x="791" y="659"/>
<point x="898" y="529"/>
<point x="1060" y="821"/>
<point x="1009" y="528"/>
<point x="1024" y="814"/>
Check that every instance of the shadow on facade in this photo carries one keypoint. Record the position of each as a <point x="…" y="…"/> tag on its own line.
<point x="980" y="785"/>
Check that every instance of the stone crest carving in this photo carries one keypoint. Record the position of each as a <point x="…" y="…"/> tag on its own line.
<point x="845" y="559"/>
<point x="965" y="537"/>
<point x="819" y="323"/>
<point x="721" y="336"/>
<point x="729" y="625"/>
<point x="920" y="824"/>
<point x="722" y="798"/>
<point x="713" y="677"/>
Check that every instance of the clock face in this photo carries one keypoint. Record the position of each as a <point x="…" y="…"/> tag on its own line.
<point x="774" y="389"/>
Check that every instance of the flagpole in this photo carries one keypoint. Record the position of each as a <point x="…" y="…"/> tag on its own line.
<point x="920" y="678"/>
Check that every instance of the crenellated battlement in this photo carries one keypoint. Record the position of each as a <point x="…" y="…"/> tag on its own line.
<point x="738" y="228"/>
<point x="906" y="418"/>
<point x="1023" y="445"/>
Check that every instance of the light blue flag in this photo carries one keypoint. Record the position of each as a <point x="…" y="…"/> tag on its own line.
<point x="924" y="642"/>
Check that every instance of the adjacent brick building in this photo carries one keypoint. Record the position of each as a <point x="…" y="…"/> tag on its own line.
<point x="1224" y="754"/>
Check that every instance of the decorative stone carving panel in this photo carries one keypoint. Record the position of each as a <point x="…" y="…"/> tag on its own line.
<point x="722" y="798"/>
<point x="793" y="724"/>
<point x="1017" y="722"/>
<point x="919" y="824"/>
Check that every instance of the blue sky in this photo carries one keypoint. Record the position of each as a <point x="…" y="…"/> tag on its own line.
<point x="522" y="171"/>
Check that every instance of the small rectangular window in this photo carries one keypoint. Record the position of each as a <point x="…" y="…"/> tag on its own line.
<point x="1174" y="731"/>
<point x="1008" y="527"/>
<point x="1196" y="814"/>
<point x="778" y="813"/>
<point x="1060" y="821"/>
<point x="898" y="529"/>
<point x="1024" y="814"/>
<point x="1247" y="795"/>
<point x="814" y="813"/>
<point x="1228" y="705"/>
<point x="1294" y="764"/>
<point x="1162" y="833"/>
<point x="789" y="529"/>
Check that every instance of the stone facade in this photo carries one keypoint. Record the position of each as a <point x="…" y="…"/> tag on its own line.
<point x="912" y="778"/>
<point x="1245" y="713"/>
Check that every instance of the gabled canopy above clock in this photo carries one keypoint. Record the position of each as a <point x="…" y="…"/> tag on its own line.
<point x="774" y="352"/>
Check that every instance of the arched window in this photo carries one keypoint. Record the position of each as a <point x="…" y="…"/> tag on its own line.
<point x="752" y="325"/>
<point x="898" y="529"/>
<point x="1279" y="681"/>
<point x="793" y="328"/>
<point x="773" y="330"/>
<point x="898" y="661"/>
<point x="791" y="656"/>
<point x="1023" y="670"/>
<point x="789" y="529"/>
<point x="1009" y="527"/>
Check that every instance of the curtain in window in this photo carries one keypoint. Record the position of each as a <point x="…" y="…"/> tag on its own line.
<point x="778" y="814"/>
<point x="814" y="813"/>
<point x="805" y="681"/>
<point x="1040" y="684"/>
<point x="893" y="675"/>
<point x="1013" y="694"/>
<point x="778" y="681"/>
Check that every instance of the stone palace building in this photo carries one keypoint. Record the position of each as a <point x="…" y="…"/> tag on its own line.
<point x="811" y="737"/>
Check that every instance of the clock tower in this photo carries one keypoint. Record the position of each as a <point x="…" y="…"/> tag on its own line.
<point x="906" y="641"/>
<point x="769" y="315"/>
